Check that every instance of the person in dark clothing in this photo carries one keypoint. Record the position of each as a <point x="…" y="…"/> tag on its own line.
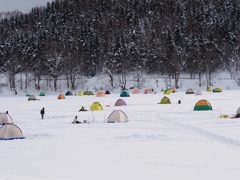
<point x="75" y="121"/>
<point x="42" y="112"/>
<point x="82" y="109"/>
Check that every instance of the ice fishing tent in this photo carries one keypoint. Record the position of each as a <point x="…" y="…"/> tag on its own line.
<point x="68" y="93"/>
<point x="165" y="100"/>
<point x="209" y="89"/>
<point x="117" y="116"/>
<point x="202" y="105"/>
<point x="100" y="94"/>
<point x="96" y="106"/>
<point x="120" y="102"/>
<point x="41" y="94"/>
<point x="217" y="90"/>
<point x="5" y="118"/>
<point x="61" y="96"/>
<point x="124" y="94"/>
<point x="189" y="91"/>
<point x="136" y="91"/>
<point x="198" y="92"/>
<point x="107" y="92"/>
<point x="167" y="92"/>
<point x="28" y="94"/>
<point x="148" y="91"/>
<point x="10" y="131"/>
<point x="32" y="98"/>
<point x="88" y="93"/>
<point x="85" y="93"/>
<point x="80" y="94"/>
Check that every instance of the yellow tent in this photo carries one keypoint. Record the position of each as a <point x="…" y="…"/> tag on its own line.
<point x="96" y="106"/>
<point x="80" y="94"/>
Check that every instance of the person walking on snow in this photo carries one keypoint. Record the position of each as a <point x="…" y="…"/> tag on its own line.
<point x="42" y="112"/>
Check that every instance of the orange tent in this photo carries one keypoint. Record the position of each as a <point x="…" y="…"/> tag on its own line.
<point x="148" y="91"/>
<point x="61" y="96"/>
<point x="136" y="91"/>
<point x="100" y="94"/>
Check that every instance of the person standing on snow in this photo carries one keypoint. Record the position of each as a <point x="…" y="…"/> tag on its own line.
<point x="42" y="112"/>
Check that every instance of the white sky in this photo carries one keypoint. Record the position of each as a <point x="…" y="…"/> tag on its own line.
<point x="22" y="5"/>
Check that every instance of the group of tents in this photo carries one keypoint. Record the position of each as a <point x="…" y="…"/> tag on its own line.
<point x="8" y="130"/>
<point x="96" y="106"/>
<point x="198" y="92"/>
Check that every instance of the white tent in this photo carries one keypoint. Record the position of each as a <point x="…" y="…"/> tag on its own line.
<point x="32" y="98"/>
<point x="10" y="131"/>
<point x="117" y="116"/>
<point x="198" y="92"/>
<point x="5" y="118"/>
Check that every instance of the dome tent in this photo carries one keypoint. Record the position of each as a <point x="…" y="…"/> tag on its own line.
<point x="117" y="116"/>
<point x="198" y="92"/>
<point x="68" y="93"/>
<point x="61" y="96"/>
<point x="41" y="94"/>
<point x="107" y="92"/>
<point x="96" y="106"/>
<point x="10" y="131"/>
<point x="148" y="91"/>
<point x="88" y="93"/>
<point x="124" y="94"/>
<point x="28" y="94"/>
<point x="120" y="102"/>
<point x="202" y="105"/>
<point x="136" y="91"/>
<point x="100" y="94"/>
<point x="80" y="94"/>
<point x="189" y="91"/>
<point x="165" y="100"/>
<point x="217" y="90"/>
<point x="32" y="98"/>
<point x="167" y="92"/>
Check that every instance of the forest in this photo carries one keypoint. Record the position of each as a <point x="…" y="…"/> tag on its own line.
<point x="73" y="38"/>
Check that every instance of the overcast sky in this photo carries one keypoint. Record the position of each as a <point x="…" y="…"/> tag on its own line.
<point x="22" y="5"/>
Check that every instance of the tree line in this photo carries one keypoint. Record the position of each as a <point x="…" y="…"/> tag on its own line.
<point x="74" y="38"/>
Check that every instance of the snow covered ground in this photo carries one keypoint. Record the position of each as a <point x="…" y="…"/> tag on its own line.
<point x="159" y="142"/>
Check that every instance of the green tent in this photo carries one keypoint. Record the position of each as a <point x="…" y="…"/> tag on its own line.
<point x="124" y="94"/>
<point x="87" y="93"/>
<point x="202" y="105"/>
<point x="217" y="90"/>
<point x="165" y="100"/>
<point x="90" y="93"/>
<point x="41" y="94"/>
<point x="28" y="94"/>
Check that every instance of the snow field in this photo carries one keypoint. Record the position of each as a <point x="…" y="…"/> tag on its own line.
<point x="159" y="142"/>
